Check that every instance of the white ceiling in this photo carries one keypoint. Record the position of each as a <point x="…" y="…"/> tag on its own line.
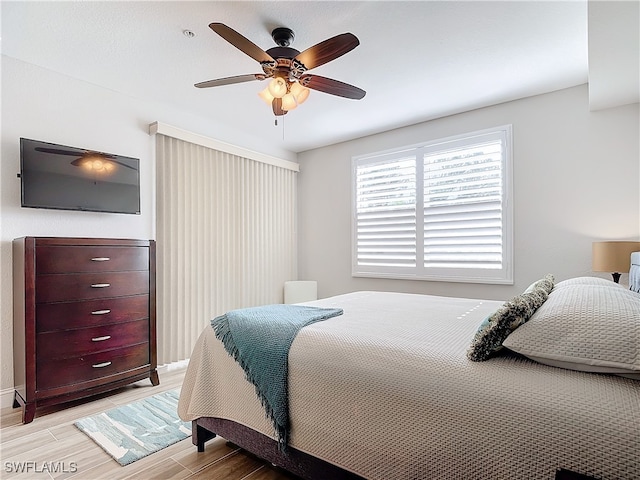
<point x="417" y="60"/>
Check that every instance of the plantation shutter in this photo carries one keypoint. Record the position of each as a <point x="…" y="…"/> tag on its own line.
<point x="386" y="213"/>
<point x="436" y="211"/>
<point x="463" y="207"/>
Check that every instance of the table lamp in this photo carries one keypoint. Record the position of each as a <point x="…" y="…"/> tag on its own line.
<point x="613" y="257"/>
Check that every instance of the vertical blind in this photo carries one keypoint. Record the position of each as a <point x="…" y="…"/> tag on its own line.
<point x="226" y="238"/>
<point x="435" y="211"/>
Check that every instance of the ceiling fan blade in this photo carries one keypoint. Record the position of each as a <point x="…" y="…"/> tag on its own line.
<point x="333" y="87"/>
<point x="277" y="107"/>
<point x="328" y="50"/>
<point x="231" y="80"/>
<point x="241" y="43"/>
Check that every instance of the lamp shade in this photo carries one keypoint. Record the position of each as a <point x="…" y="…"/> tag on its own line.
<point x="266" y="96"/>
<point x="301" y="93"/>
<point x="613" y="256"/>
<point x="289" y="102"/>
<point x="278" y="87"/>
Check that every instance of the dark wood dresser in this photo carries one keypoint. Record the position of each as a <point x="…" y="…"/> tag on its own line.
<point x="84" y="318"/>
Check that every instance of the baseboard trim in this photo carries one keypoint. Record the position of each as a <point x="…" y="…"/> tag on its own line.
<point x="6" y="398"/>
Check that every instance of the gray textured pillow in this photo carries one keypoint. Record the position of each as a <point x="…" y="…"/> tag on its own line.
<point x="546" y="283"/>
<point x="496" y="327"/>
<point x="585" y="327"/>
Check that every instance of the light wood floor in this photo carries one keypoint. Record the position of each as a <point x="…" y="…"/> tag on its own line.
<point x="51" y="442"/>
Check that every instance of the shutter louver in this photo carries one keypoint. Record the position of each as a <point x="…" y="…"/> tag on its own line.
<point x="463" y="208"/>
<point x="386" y="213"/>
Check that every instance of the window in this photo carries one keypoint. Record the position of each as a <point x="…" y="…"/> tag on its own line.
<point x="436" y="211"/>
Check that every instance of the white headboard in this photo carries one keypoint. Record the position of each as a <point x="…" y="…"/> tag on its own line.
<point x="634" y="272"/>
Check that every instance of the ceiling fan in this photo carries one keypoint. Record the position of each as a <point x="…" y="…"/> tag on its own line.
<point x="287" y="67"/>
<point x="96" y="161"/>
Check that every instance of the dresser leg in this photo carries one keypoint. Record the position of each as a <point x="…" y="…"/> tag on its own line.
<point x="28" y="413"/>
<point x="155" y="380"/>
<point x="28" y="409"/>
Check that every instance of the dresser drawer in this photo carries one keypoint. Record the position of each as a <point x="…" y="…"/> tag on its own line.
<point x="84" y="286"/>
<point x="68" y="371"/>
<point x="85" y="341"/>
<point x="86" y="259"/>
<point x="90" y="313"/>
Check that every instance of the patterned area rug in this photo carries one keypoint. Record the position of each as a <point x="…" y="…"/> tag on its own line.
<point x="131" y="432"/>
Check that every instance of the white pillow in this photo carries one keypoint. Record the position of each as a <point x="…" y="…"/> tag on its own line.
<point x="587" y="281"/>
<point x="591" y="328"/>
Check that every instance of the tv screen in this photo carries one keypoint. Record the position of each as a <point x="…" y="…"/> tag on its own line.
<point x="69" y="178"/>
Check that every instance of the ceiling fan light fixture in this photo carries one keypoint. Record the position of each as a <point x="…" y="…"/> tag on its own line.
<point x="266" y="96"/>
<point x="278" y="87"/>
<point x="301" y="93"/>
<point x="289" y="102"/>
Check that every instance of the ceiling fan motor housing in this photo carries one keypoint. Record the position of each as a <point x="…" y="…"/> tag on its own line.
<point x="283" y="52"/>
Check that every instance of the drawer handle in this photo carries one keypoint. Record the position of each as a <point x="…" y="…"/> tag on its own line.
<point x="101" y="339"/>
<point x="101" y="365"/>
<point x="100" y="259"/>
<point x="100" y="285"/>
<point x="100" y="312"/>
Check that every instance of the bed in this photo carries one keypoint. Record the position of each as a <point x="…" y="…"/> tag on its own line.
<point x="387" y="390"/>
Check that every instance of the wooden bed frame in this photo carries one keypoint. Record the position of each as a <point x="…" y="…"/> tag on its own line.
<point x="299" y="463"/>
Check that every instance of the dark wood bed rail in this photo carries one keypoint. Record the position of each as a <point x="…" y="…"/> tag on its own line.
<point x="299" y="463"/>
<point x="294" y="461"/>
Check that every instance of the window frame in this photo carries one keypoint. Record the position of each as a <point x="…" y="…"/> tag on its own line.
<point x="502" y="275"/>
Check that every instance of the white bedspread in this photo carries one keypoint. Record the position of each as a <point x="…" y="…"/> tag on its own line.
<point x="386" y="391"/>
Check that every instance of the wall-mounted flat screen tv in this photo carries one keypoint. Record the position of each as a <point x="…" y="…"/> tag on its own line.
<point x="70" y="178"/>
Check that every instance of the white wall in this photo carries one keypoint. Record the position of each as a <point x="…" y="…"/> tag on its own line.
<point x="575" y="181"/>
<point x="43" y="105"/>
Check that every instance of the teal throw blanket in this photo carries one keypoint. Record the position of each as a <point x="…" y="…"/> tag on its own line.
<point x="259" y="339"/>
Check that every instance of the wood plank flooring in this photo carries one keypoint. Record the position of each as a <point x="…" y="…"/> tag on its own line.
<point x="51" y="447"/>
